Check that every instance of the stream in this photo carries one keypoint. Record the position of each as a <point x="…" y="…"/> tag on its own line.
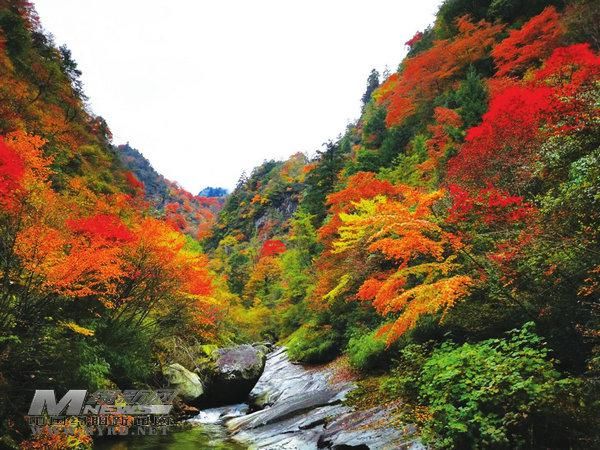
<point x="304" y="411"/>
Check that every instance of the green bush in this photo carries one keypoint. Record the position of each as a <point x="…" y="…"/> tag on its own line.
<point x="293" y="317"/>
<point x="128" y="352"/>
<point x="313" y="345"/>
<point x="499" y="393"/>
<point x="367" y="352"/>
<point x="404" y="380"/>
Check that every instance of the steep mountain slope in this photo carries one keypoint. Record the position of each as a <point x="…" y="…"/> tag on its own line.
<point x="93" y="284"/>
<point x="454" y="225"/>
<point x="445" y="248"/>
<point x="213" y="192"/>
<point x="156" y="187"/>
<point x="190" y="214"/>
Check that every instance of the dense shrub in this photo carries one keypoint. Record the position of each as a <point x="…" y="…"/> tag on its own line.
<point x="404" y="379"/>
<point x="367" y="352"/>
<point x="499" y="393"/>
<point x="313" y="345"/>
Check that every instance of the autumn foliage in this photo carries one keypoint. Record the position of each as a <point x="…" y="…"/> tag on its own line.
<point x="427" y="74"/>
<point x="529" y="44"/>
<point x="272" y="247"/>
<point x="11" y="174"/>
<point x="461" y="206"/>
<point x="520" y="117"/>
<point x="95" y="248"/>
<point x="441" y="140"/>
<point x="509" y="133"/>
<point x="405" y="232"/>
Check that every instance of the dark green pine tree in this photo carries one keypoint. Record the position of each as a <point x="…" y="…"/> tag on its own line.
<point x="322" y="179"/>
<point x="472" y="98"/>
<point x="372" y="84"/>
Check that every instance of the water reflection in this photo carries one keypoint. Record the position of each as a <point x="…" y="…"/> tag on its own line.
<point x="206" y="436"/>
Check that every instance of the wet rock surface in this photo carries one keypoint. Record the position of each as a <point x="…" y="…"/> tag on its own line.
<point x="283" y="379"/>
<point x="303" y="409"/>
<point x="367" y="429"/>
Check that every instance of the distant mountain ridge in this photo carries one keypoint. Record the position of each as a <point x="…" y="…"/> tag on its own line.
<point x="193" y="215"/>
<point x="210" y="191"/>
<point x="156" y="186"/>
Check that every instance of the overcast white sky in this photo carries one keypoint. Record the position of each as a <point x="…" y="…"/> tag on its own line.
<point x="207" y="89"/>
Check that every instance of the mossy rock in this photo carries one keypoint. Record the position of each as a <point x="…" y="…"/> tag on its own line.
<point x="231" y="373"/>
<point x="187" y="384"/>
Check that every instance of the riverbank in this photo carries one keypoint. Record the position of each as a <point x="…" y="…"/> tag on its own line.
<point x="304" y="408"/>
<point x="292" y="407"/>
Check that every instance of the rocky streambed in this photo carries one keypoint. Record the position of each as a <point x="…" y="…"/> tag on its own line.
<point x="291" y="407"/>
<point x="302" y="408"/>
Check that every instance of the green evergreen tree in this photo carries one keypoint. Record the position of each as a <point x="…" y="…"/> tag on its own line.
<point x="372" y="84"/>
<point x="472" y="98"/>
<point x="322" y="179"/>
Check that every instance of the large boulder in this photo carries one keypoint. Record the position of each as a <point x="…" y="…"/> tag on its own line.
<point x="187" y="384"/>
<point x="232" y="373"/>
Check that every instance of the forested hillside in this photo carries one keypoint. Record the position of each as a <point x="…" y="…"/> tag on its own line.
<point x="193" y="215"/>
<point x="447" y="243"/>
<point x="94" y="283"/>
<point x="444" y="250"/>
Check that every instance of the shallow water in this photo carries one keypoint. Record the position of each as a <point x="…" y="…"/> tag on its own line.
<point x="202" y="436"/>
<point x="206" y="432"/>
<point x="303" y="415"/>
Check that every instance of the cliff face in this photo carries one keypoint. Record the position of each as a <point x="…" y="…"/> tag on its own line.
<point x="261" y="205"/>
<point x="157" y="188"/>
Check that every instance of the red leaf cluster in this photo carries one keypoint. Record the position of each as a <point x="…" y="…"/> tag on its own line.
<point x="507" y="136"/>
<point x="530" y="44"/>
<point x="12" y="171"/>
<point x="106" y="227"/>
<point x="415" y="39"/>
<point x="429" y="73"/>
<point x="489" y="205"/>
<point x="272" y="247"/>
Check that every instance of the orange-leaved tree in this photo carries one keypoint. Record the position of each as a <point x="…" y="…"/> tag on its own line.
<point x="429" y="73"/>
<point x="425" y="277"/>
<point x="78" y="244"/>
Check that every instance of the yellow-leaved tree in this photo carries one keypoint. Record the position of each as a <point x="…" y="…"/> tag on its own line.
<point x="425" y="275"/>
